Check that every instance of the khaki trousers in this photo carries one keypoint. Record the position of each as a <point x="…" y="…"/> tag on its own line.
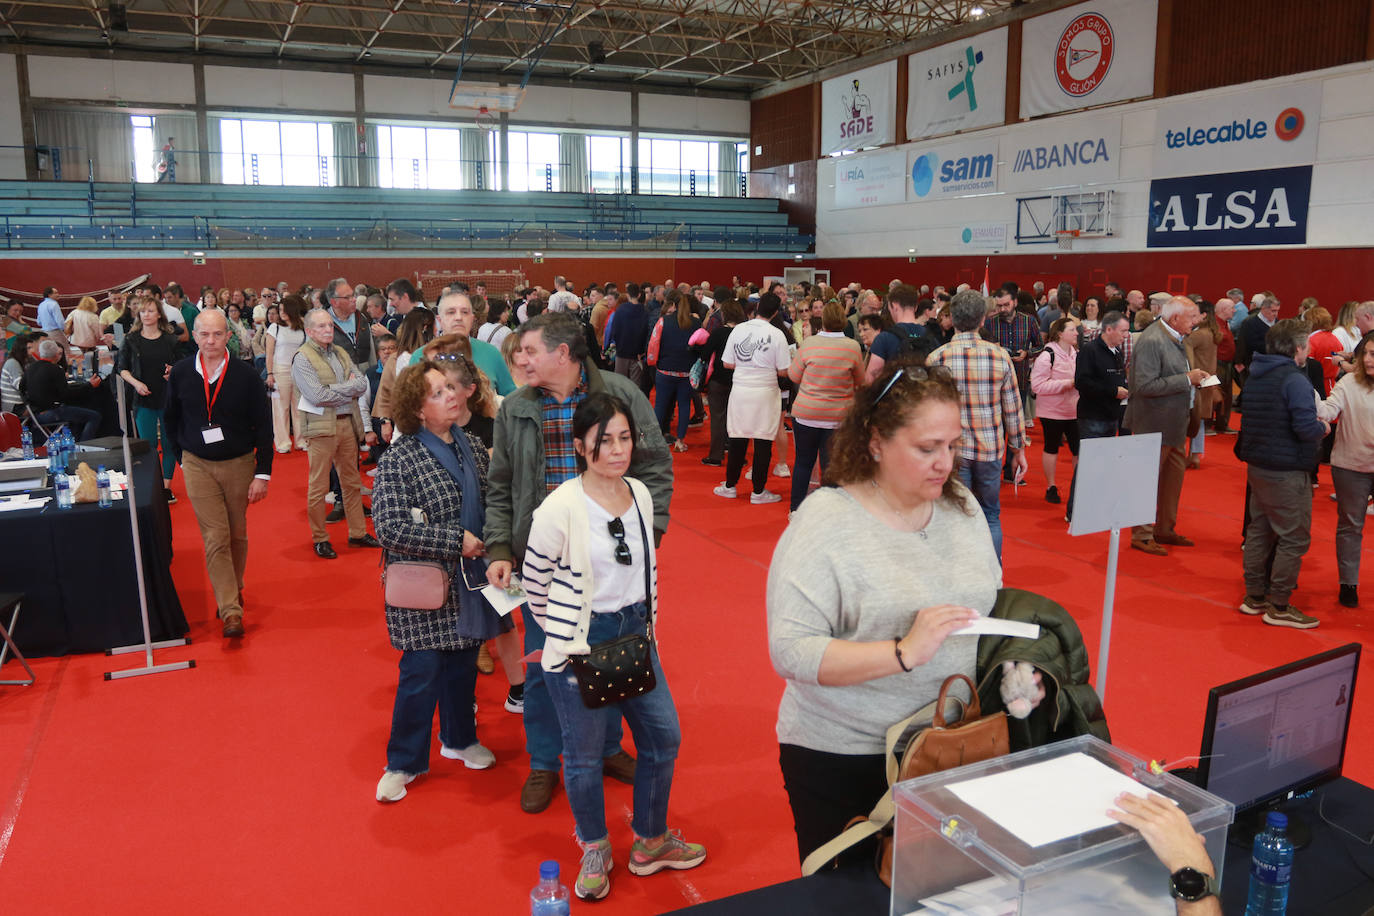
<point x="1173" y="463"/>
<point x="219" y="495"/>
<point x="340" y="451"/>
<point x="285" y="416"/>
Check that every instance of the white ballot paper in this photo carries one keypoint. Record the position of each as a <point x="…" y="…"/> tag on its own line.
<point x="303" y="404"/>
<point x="1051" y="800"/>
<point x="502" y="600"/>
<point x="997" y="626"/>
<point x="1210" y="381"/>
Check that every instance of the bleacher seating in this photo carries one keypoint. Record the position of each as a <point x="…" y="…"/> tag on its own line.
<point x="42" y="214"/>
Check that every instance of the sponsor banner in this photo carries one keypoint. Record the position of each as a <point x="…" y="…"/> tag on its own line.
<point x="1061" y="154"/>
<point x="984" y="236"/>
<point x="1264" y="207"/>
<point x="859" y="109"/>
<point x="1248" y="130"/>
<point x="954" y="169"/>
<point x="1086" y="55"/>
<point x="870" y="181"/>
<point x="958" y="86"/>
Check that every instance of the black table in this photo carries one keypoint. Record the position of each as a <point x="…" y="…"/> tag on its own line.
<point x="1332" y="877"/>
<point x="76" y="570"/>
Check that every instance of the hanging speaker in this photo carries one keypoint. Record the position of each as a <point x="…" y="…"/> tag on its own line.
<point x="119" y="17"/>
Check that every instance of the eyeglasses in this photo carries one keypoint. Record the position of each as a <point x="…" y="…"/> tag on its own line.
<point x="915" y="373"/>
<point x="622" y="549"/>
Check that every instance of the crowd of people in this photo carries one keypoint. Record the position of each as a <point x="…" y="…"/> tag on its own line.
<point x="527" y="442"/>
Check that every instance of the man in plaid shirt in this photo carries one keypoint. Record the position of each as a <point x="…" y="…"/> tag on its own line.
<point x="1018" y="334"/>
<point x="990" y="408"/>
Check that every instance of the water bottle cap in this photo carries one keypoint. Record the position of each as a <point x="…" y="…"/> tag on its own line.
<point x="100" y="469"/>
<point x="1276" y="819"/>
<point x="548" y="870"/>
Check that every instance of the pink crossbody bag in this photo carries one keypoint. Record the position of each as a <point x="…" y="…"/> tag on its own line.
<point x="418" y="585"/>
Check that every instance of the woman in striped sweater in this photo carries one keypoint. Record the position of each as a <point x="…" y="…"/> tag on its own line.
<point x="591" y="578"/>
<point x="828" y="369"/>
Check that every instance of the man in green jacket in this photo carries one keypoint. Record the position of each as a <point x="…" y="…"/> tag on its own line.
<point x="527" y="464"/>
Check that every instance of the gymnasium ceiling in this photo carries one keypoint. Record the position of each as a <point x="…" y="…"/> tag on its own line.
<point x="728" y="45"/>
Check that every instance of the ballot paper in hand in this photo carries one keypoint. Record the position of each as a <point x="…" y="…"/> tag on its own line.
<point x="998" y="626"/>
<point x="1210" y="381"/>
<point x="303" y="405"/>
<point x="505" y="600"/>
<point x="1051" y="800"/>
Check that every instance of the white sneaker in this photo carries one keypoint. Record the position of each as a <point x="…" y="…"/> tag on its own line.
<point x="474" y="756"/>
<point x="749" y="474"/>
<point x="392" y="787"/>
<point x="781" y="470"/>
<point x="329" y="499"/>
<point x="723" y="490"/>
<point x="767" y="496"/>
<point x="371" y="472"/>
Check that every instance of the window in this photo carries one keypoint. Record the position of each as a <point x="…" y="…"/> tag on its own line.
<point x="686" y="167"/>
<point x="608" y="164"/>
<point x="145" y="148"/>
<point x="278" y="152"/>
<point x="532" y="161"/>
<point x="422" y="157"/>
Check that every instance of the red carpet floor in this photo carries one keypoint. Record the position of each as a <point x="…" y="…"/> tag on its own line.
<point x="246" y="784"/>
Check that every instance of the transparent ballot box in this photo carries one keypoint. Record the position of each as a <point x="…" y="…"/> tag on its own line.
<point x="1027" y="834"/>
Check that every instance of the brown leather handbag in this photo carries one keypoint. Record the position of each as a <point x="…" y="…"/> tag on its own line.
<point x="941" y="745"/>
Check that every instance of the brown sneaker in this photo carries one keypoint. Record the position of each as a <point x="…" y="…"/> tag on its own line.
<point x="1173" y="540"/>
<point x="620" y="766"/>
<point x="484" y="663"/>
<point x="1288" y="616"/>
<point x="233" y="626"/>
<point x="1255" y="605"/>
<point x="1150" y="547"/>
<point x="538" y="791"/>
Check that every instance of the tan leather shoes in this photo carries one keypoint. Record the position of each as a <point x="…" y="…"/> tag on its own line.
<point x="620" y="766"/>
<point x="1173" y="540"/>
<point x="233" y="626"/>
<point x="484" y="663"/>
<point x="1150" y="547"/>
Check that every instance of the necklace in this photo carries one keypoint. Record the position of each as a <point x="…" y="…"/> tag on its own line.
<point x="906" y="517"/>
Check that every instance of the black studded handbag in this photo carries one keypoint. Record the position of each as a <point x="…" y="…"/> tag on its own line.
<point x="622" y="668"/>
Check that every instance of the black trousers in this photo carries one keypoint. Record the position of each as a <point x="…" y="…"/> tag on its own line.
<point x="734" y="464"/>
<point x="827" y="791"/>
<point x="718" y="397"/>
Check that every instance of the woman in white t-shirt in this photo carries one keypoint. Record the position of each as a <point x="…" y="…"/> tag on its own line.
<point x="758" y="353"/>
<point x="283" y="340"/>
<point x="496" y="329"/>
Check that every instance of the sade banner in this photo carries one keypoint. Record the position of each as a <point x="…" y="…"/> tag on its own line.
<point x="1089" y="54"/>
<point x="859" y="109"/>
<point x="957" y="86"/>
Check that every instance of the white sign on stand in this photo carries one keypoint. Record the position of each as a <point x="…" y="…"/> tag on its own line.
<point x="1103" y="501"/>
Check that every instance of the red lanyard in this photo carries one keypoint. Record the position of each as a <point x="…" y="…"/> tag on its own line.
<point x="205" y="377"/>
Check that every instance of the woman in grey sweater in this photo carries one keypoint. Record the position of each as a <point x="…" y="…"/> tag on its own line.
<point x="864" y="645"/>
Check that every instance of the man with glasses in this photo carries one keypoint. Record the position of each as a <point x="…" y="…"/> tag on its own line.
<point x="453" y="315"/>
<point x="532" y="455"/>
<point x="351" y="332"/>
<point x="990" y="409"/>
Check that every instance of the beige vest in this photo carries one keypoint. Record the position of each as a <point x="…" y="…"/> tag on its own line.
<point x="325" y="424"/>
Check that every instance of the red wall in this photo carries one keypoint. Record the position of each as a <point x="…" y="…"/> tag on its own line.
<point x="1333" y="275"/>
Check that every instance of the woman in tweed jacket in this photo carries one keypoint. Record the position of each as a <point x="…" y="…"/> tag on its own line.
<point x="427" y="505"/>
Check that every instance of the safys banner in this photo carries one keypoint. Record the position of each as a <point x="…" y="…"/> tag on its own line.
<point x="859" y="109"/>
<point x="1264" y="207"/>
<point x="1089" y="54"/>
<point x="958" y="86"/>
<point x="1245" y="130"/>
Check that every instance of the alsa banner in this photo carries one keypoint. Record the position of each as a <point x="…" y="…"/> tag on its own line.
<point x="1061" y="153"/>
<point x="1264" y="207"/>
<point x="859" y="109"/>
<point x="958" y="86"/>
<point x="870" y="181"/>
<point x="1266" y="128"/>
<point x="1086" y="55"/>
<point x="954" y="169"/>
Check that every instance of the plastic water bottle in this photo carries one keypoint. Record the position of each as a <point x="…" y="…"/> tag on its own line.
<point x="63" y="486"/>
<point x="549" y="897"/>
<point x="102" y="487"/>
<point x="68" y="446"/>
<point x="1271" y="865"/>
<point x="55" y="454"/>
<point x="26" y="440"/>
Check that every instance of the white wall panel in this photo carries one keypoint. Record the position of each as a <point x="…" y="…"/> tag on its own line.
<point x="405" y="95"/>
<point x="305" y="90"/>
<point x="111" y="80"/>
<point x="575" y="107"/>
<point x="11" y="125"/>
<point x="727" y="117"/>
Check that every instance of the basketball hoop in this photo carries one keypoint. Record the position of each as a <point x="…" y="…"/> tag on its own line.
<point x="1065" y="237"/>
<point x="485" y="100"/>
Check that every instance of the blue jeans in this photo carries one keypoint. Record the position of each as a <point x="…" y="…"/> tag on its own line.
<point x="984" y="480"/>
<point x="653" y="722"/>
<point x="543" y="736"/>
<point x="1089" y="429"/>
<point x="666" y="389"/>
<point x="813" y="443"/>
<point x="430" y="677"/>
<point x="151" y="429"/>
<point x="84" y="422"/>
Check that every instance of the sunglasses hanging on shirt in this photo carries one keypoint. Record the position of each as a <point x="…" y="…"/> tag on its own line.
<point x="622" y="549"/>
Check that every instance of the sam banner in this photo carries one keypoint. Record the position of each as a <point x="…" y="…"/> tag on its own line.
<point x="954" y="169"/>
<point x="1264" y="207"/>
<point x="1087" y="55"/>
<point x="859" y="109"/>
<point x="870" y="181"/>
<point x="957" y="86"/>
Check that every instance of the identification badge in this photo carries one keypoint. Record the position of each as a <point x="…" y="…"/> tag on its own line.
<point x="212" y="434"/>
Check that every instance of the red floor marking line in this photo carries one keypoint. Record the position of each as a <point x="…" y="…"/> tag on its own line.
<point x="11" y="815"/>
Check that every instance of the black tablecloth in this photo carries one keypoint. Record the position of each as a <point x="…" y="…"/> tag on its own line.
<point x="76" y="570"/>
<point x="1332" y="877"/>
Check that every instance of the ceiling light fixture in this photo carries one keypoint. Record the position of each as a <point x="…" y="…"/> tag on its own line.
<point x="977" y="11"/>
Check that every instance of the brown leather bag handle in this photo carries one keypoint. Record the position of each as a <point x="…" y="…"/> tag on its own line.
<point x="972" y="711"/>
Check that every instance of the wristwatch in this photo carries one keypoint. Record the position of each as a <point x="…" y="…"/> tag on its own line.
<point x="1191" y="885"/>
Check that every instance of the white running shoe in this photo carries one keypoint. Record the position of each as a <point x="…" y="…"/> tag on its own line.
<point x="474" y="756"/>
<point x="392" y="787"/>
<point x="767" y="496"/>
<point x="723" y="490"/>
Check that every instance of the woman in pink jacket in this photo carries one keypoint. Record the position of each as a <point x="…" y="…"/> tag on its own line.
<point x="1056" y="400"/>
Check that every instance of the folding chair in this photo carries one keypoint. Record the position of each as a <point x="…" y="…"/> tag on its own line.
<point x="13" y="600"/>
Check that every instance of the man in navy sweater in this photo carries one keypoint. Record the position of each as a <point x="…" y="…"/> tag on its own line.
<point x="630" y="334"/>
<point x="220" y="424"/>
<point x="1278" y="441"/>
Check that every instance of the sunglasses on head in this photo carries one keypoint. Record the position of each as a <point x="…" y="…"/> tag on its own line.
<point x="622" y="549"/>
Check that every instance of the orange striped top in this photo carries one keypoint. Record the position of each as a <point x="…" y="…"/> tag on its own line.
<point x="828" y="369"/>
